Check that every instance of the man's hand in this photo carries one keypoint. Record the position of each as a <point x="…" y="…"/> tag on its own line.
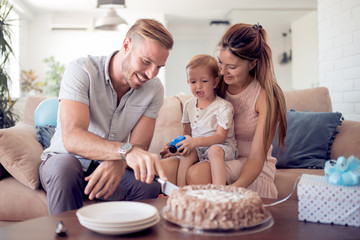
<point x="145" y="165"/>
<point x="105" y="179"/>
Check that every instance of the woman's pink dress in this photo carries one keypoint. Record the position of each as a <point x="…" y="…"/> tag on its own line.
<point x="245" y="120"/>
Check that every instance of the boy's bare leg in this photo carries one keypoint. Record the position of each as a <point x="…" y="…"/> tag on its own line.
<point x="185" y="163"/>
<point x="218" y="168"/>
<point x="170" y="166"/>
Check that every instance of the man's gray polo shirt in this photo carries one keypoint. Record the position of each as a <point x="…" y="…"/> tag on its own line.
<point x="87" y="80"/>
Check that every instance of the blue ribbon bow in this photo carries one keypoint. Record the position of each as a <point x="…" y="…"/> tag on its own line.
<point x="343" y="171"/>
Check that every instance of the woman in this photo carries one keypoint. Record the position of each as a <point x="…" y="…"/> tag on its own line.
<point x="249" y="83"/>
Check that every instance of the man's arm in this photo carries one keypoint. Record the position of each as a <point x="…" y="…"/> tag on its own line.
<point x="143" y="132"/>
<point x="148" y="164"/>
<point x="75" y="119"/>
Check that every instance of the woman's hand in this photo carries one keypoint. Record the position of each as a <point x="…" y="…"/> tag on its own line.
<point x="165" y="153"/>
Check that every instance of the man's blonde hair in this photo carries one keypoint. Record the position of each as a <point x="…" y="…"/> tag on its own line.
<point x="151" y="29"/>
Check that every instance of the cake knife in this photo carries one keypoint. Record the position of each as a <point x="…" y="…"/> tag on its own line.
<point x="166" y="186"/>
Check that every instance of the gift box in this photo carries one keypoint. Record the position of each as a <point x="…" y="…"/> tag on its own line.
<point x="322" y="202"/>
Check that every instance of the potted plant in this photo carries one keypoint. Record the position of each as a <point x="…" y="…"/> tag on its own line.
<point x="50" y="86"/>
<point x="53" y="76"/>
<point x="29" y="83"/>
<point x="7" y="115"/>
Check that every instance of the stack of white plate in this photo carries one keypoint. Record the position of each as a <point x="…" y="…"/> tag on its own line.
<point x="118" y="217"/>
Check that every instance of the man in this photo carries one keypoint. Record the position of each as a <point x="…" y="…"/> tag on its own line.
<point x="104" y="102"/>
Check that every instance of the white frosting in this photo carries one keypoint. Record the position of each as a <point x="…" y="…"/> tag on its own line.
<point x="214" y="207"/>
<point x="216" y="195"/>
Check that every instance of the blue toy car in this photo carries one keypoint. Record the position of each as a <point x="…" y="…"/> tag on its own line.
<point x="173" y="148"/>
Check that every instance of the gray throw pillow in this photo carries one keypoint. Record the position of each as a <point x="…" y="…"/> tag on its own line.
<point x="44" y="134"/>
<point x="308" y="140"/>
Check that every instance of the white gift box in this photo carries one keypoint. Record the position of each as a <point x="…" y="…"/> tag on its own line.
<point x="322" y="202"/>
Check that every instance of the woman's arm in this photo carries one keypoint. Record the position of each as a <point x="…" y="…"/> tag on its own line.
<point x="255" y="163"/>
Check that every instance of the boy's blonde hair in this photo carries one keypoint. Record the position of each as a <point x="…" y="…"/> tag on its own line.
<point x="204" y="60"/>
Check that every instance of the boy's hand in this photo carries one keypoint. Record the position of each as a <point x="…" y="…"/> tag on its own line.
<point x="187" y="145"/>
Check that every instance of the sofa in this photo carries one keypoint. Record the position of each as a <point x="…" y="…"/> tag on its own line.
<point x="22" y="199"/>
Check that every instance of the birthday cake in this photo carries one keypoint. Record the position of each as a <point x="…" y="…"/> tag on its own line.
<point x="214" y="207"/>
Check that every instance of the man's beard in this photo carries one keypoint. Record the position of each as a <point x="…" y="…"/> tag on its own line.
<point x="127" y="73"/>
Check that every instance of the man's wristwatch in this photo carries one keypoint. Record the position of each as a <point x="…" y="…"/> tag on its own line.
<point x="124" y="149"/>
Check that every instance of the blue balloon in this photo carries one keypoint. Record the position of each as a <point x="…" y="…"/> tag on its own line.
<point x="46" y="112"/>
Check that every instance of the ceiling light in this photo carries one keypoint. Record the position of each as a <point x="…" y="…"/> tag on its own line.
<point x="219" y="22"/>
<point x="110" y="3"/>
<point x="111" y="20"/>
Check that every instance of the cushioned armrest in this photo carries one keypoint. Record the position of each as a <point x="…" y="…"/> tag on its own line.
<point x="347" y="141"/>
<point x="19" y="203"/>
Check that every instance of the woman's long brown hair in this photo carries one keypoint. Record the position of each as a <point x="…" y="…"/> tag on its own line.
<point x="249" y="42"/>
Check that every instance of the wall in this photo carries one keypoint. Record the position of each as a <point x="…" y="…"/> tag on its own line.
<point x="339" y="54"/>
<point x="305" y="66"/>
<point x="40" y="42"/>
<point x="190" y="40"/>
<point x="339" y="50"/>
<point x="275" y="22"/>
<point x="65" y="45"/>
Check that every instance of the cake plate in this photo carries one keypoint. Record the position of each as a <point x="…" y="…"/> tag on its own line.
<point x="262" y="225"/>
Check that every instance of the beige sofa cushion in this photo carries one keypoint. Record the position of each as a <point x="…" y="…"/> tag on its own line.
<point x="168" y="123"/>
<point x="19" y="202"/>
<point x="312" y="99"/>
<point x="30" y="107"/>
<point x="20" y="154"/>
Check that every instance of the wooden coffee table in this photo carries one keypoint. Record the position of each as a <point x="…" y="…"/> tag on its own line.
<point x="285" y="215"/>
